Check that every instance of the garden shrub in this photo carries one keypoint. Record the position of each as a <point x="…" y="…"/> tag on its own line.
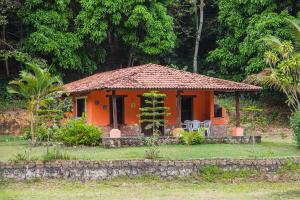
<point x="191" y="138"/>
<point x="42" y="133"/>
<point x="295" y="124"/>
<point x="78" y="132"/>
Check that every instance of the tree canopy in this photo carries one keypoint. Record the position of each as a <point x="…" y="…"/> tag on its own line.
<point x="80" y="37"/>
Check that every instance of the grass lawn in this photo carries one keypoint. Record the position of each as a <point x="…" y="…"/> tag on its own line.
<point x="141" y="188"/>
<point x="268" y="148"/>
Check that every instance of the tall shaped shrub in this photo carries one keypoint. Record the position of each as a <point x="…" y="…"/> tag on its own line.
<point x="154" y="112"/>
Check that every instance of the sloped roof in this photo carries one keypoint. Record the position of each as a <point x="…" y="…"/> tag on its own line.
<point x="153" y="76"/>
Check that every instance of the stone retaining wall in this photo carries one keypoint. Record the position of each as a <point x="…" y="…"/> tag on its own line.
<point x="99" y="170"/>
<point x="140" y="141"/>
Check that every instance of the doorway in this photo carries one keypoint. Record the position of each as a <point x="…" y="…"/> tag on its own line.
<point x="120" y="110"/>
<point x="186" y="108"/>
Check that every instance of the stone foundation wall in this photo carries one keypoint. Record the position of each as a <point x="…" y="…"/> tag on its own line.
<point x="219" y="131"/>
<point x="99" y="170"/>
<point x="126" y="130"/>
<point x="135" y="130"/>
<point x="140" y="141"/>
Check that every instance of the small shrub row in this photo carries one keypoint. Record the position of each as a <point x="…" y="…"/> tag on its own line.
<point x="74" y="132"/>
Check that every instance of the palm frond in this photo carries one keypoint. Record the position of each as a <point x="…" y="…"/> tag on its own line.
<point x="294" y="24"/>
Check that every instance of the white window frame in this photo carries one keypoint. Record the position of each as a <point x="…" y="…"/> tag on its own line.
<point x="85" y="111"/>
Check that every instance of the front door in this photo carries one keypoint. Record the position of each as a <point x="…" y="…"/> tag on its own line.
<point x="149" y="132"/>
<point x="120" y="109"/>
<point x="186" y="108"/>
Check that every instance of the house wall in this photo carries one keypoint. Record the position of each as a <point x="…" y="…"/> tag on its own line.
<point x="97" y="105"/>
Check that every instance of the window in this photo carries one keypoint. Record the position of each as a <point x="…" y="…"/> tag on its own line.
<point x="80" y="106"/>
<point x="217" y="110"/>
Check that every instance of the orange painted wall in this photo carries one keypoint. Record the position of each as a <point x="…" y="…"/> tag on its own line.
<point x="98" y="114"/>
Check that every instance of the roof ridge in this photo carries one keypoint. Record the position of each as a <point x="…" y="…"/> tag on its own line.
<point x="147" y="76"/>
<point x="137" y="69"/>
<point x="202" y="75"/>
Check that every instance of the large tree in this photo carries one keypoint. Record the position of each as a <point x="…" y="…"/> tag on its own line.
<point x="83" y="34"/>
<point x="244" y="23"/>
<point x="7" y="13"/>
<point x="283" y="59"/>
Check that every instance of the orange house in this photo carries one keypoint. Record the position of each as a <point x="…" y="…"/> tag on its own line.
<point x="112" y="99"/>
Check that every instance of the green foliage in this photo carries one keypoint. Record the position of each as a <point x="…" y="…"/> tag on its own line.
<point x="283" y="60"/>
<point x="214" y="173"/>
<point x="78" y="132"/>
<point x="244" y="22"/>
<point x="153" y="113"/>
<point x="295" y="124"/>
<point x="152" y="152"/>
<point x="42" y="134"/>
<point x="21" y="156"/>
<point x="289" y="166"/>
<point x="192" y="138"/>
<point x="83" y="35"/>
<point x="56" y="154"/>
<point x="34" y="85"/>
<point x="9" y="101"/>
<point x="157" y="25"/>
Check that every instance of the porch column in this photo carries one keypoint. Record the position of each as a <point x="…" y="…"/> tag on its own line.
<point x="178" y="98"/>
<point x="114" y="104"/>
<point x="237" y="109"/>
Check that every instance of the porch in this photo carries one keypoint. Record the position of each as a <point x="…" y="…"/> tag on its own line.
<point x="119" y="109"/>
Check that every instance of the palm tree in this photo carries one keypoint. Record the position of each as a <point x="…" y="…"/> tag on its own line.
<point x="34" y="85"/>
<point x="284" y="66"/>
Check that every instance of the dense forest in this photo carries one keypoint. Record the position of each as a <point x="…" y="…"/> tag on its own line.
<point x="76" y="38"/>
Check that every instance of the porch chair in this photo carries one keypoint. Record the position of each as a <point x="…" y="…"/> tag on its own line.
<point x="187" y="124"/>
<point x="196" y="125"/>
<point x="207" y="125"/>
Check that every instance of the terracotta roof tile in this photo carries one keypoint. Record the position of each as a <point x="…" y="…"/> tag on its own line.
<point x="153" y="76"/>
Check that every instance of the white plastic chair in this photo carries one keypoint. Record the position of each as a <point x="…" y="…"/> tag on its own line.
<point x="188" y="125"/>
<point x="207" y="125"/>
<point x="196" y="125"/>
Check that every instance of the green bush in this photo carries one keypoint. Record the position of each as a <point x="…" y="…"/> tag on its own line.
<point x="191" y="138"/>
<point x="78" y="132"/>
<point x="295" y="124"/>
<point x="42" y="133"/>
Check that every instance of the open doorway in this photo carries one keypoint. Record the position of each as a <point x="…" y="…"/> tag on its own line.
<point x="186" y="108"/>
<point x="120" y="110"/>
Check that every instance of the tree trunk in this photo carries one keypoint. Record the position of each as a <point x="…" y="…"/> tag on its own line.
<point x="199" y="23"/>
<point x="4" y="41"/>
<point x="32" y="128"/>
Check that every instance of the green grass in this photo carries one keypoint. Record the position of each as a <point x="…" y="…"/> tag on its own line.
<point x="147" y="188"/>
<point x="268" y="148"/>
